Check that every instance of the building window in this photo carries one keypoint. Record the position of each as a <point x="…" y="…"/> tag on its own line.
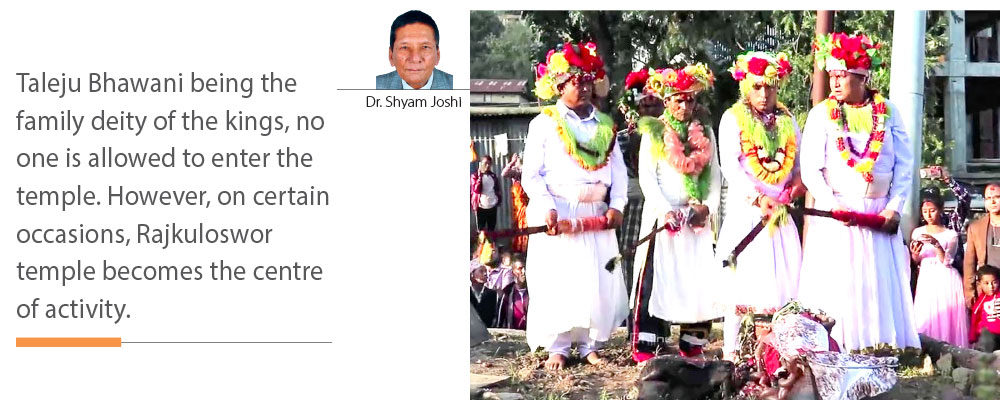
<point x="983" y="45"/>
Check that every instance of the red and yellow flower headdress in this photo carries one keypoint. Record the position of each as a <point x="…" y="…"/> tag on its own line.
<point x="855" y="53"/>
<point x="574" y="60"/>
<point x="758" y="66"/>
<point x="633" y="92"/>
<point x="668" y="81"/>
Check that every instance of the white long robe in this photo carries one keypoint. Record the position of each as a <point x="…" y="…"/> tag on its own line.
<point x="570" y="289"/>
<point x="859" y="276"/>
<point x="682" y="261"/>
<point x="767" y="271"/>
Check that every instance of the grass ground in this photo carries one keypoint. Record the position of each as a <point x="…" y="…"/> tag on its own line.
<point x="507" y="354"/>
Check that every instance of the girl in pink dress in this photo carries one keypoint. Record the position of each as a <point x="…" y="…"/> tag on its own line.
<point x="939" y="306"/>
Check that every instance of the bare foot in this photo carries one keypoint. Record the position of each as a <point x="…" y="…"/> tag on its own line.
<point x="555" y="362"/>
<point x="594" y="359"/>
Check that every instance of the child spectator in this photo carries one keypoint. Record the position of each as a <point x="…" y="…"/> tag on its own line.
<point x="985" y="332"/>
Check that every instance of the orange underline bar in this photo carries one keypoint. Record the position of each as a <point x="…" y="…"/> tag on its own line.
<point x="69" y="342"/>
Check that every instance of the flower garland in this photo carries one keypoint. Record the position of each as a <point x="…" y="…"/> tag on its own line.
<point x="839" y="51"/>
<point x="870" y="117"/>
<point x="590" y="156"/>
<point x="770" y="151"/>
<point x="760" y="67"/>
<point x="684" y="147"/>
<point x="668" y="81"/>
<point x="743" y="309"/>
<point x="572" y="60"/>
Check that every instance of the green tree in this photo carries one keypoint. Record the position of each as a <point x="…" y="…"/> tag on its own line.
<point x="657" y="39"/>
<point x="502" y="51"/>
<point x="483" y="25"/>
<point x="672" y="38"/>
<point x="509" y="54"/>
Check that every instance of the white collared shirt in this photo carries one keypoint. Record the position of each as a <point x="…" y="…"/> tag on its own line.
<point x="547" y="163"/>
<point x="426" y="86"/>
<point x="584" y="128"/>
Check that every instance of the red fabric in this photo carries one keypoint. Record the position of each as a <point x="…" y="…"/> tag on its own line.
<point x="771" y="358"/>
<point x="640" y="356"/>
<point x="834" y="346"/>
<point x="873" y="221"/>
<point x="585" y="224"/>
<point x="981" y="317"/>
<point x="695" y="351"/>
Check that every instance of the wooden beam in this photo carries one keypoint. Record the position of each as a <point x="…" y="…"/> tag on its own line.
<point x="820" y="81"/>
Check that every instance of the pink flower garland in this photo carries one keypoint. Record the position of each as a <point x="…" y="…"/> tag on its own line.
<point x="691" y="164"/>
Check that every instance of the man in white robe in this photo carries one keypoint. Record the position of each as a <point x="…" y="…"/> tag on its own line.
<point x="856" y="156"/>
<point x="758" y="153"/>
<point x="571" y="167"/>
<point x="680" y="181"/>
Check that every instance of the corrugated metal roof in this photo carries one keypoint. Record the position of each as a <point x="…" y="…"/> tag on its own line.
<point x="498" y="85"/>
<point x="491" y="111"/>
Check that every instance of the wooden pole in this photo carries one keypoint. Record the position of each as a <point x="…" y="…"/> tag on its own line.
<point x="820" y="86"/>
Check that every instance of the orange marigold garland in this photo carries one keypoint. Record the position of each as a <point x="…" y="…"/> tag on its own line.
<point x="592" y="155"/>
<point x="770" y="151"/>
<point x="864" y="161"/>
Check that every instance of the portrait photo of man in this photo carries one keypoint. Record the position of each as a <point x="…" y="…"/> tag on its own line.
<point x="414" y="52"/>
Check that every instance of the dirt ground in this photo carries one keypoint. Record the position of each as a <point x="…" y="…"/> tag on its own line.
<point x="507" y="355"/>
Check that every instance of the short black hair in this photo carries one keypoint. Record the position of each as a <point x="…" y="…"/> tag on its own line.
<point x="413" y="17"/>
<point x="517" y="257"/>
<point x="987" y="270"/>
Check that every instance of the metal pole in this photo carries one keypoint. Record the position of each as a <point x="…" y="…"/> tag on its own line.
<point x="906" y="89"/>
<point x="820" y="88"/>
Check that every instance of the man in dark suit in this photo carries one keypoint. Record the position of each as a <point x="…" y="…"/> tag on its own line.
<point x="414" y="52"/>
<point x="982" y="245"/>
